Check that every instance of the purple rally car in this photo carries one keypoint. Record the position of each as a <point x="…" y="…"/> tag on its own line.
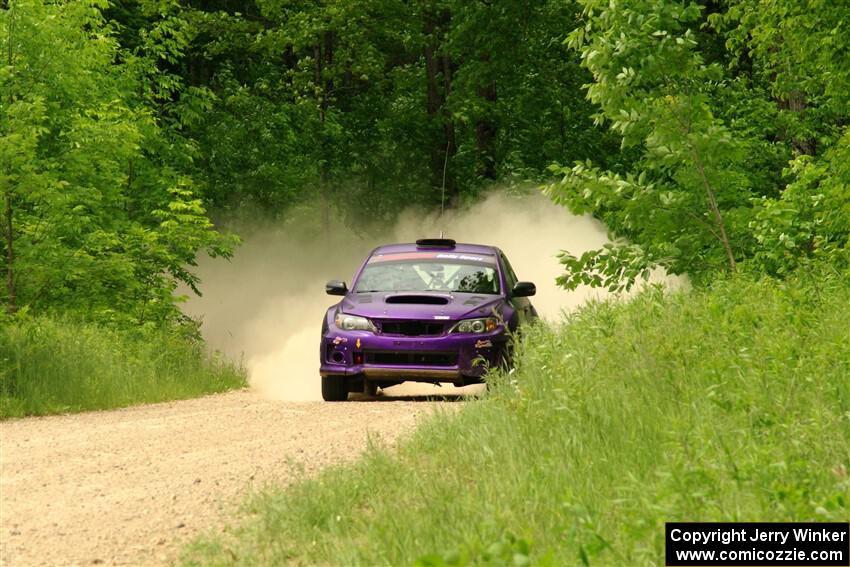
<point x="434" y="311"/>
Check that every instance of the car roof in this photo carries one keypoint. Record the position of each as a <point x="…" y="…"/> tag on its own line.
<point x="461" y="247"/>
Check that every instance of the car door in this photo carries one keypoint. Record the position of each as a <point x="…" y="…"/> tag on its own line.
<point x="523" y="308"/>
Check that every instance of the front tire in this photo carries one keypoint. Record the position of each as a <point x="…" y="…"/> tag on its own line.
<point x="334" y="389"/>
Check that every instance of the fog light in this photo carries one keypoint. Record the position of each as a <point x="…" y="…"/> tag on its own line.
<point x="337" y="357"/>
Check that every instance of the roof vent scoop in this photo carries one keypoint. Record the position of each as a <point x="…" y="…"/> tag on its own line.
<point x="435" y="243"/>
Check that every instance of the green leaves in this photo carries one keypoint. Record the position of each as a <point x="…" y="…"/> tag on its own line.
<point x="726" y="142"/>
<point x="651" y="85"/>
<point x="715" y="120"/>
<point x="103" y="222"/>
<point x="365" y="104"/>
<point x="811" y="219"/>
<point x="615" y="267"/>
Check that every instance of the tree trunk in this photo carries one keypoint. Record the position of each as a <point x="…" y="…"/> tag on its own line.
<point x="433" y="99"/>
<point x="322" y="101"/>
<point x="290" y="60"/>
<point x="12" y="301"/>
<point x="8" y="232"/>
<point x="796" y="102"/>
<point x="715" y="209"/>
<point x="485" y="128"/>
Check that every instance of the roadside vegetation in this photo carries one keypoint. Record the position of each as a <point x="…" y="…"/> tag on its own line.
<point x="50" y="365"/>
<point x="710" y="138"/>
<point x="730" y="403"/>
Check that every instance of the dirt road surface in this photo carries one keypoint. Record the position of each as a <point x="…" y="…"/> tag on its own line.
<point x="131" y="486"/>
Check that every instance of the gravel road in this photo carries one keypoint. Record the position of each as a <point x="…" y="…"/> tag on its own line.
<point x="131" y="486"/>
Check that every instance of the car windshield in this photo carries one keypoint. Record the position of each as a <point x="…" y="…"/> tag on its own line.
<point x="429" y="272"/>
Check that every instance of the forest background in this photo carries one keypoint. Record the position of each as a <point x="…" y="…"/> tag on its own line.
<point x="710" y="137"/>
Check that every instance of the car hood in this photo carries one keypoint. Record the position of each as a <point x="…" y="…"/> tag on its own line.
<point x="425" y="305"/>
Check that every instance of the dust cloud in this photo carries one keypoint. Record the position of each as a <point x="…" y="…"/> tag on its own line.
<point x="266" y="305"/>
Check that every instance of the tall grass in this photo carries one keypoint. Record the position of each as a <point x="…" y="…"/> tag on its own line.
<point x="53" y="366"/>
<point x="731" y="404"/>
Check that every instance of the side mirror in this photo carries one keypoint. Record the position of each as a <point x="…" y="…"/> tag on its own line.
<point x="336" y="287"/>
<point x="524" y="289"/>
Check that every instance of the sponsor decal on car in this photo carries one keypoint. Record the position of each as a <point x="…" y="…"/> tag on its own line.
<point x="466" y="257"/>
<point x="339" y="340"/>
<point x="486" y="343"/>
<point x="401" y="256"/>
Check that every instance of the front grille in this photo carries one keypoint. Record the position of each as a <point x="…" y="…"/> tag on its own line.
<point x="411" y="358"/>
<point x="411" y="328"/>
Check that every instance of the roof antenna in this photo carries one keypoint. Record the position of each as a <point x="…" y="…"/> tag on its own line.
<point x="443" y="188"/>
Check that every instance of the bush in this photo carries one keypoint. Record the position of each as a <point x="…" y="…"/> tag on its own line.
<point x="52" y="366"/>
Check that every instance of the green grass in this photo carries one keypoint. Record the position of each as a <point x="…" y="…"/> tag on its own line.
<point x="730" y="404"/>
<point x="54" y="366"/>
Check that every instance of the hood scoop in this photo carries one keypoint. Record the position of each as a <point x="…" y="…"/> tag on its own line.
<point x="417" y="299"/>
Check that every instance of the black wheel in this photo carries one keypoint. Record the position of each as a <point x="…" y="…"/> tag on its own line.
<point x="334" y="389"/>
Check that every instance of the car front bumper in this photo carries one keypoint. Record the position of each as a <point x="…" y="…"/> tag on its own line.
<point x="459" y="358"/>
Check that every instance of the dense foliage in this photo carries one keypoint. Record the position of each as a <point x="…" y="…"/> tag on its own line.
<point x="373" y="105"/>
<point x="122" y="124"/>
<point x="723" y="404"/>
<point x="738" y="111"/>
<point x="721" y="140"/>
<point x="100" y="217"/>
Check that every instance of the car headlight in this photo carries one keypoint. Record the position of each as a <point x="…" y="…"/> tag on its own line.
<point x="476" y="326"/>
<point x="353" y="323"/>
